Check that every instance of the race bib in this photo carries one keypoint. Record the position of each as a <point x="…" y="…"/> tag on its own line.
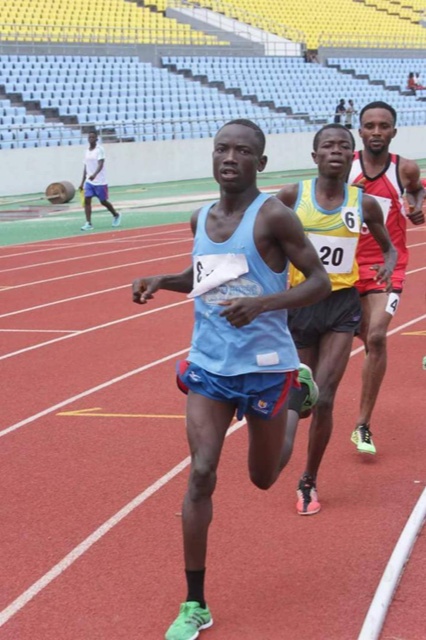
<point x="336" y="254"/>
<point x="350" y="217"/>
<point x="213" y="270"/>
<point x="392" y="303"/>
<point x="385" y="205"/>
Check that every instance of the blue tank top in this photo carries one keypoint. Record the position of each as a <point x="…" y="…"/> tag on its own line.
<point x="263" y="345"/>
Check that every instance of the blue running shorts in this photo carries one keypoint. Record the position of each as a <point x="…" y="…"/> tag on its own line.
<point x="100" y="191"/>
<point x="260" y="394"/>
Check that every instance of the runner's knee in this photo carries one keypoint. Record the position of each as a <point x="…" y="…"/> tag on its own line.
<point x="325" y="403"/>
<point x="202" y="480"/>
<point x="263" y="478"/>
<point x="376" y="341"/>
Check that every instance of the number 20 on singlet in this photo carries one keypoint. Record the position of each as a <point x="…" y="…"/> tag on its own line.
<point x="336" y="254"/>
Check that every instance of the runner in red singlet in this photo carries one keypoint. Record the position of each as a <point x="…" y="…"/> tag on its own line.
<point x="387" y="177"/>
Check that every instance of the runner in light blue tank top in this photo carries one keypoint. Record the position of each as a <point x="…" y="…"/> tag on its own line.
<point x="263" y="345"/>
<point x="242" y="357"/>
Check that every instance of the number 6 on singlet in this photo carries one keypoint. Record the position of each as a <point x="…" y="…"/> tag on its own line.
<point x="351" y="220"/>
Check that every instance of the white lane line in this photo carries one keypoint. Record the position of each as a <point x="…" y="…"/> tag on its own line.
<point x="90" y="256"/>
<point x="104" y="242"/>
<point x="400" y="327"/>
<point x="92" y="271"/>
<point x="84" y="546"/>
<point x="78" y="551"/>
<point x="416" y="270"/>
<point x="33" y="347"/>
<point x="376" y="615"/>
<point x="72" y="331"/>
<point x="63" y="300"/>
<point x="88" y="392"/>
<point x="73" y="243"/>
<point x="93" y="293"/>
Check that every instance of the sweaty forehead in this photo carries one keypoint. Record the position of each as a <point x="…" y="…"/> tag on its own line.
<point x="334" y="134"/>
<point x="377" y="115"/>
<point x="237" y="134"/>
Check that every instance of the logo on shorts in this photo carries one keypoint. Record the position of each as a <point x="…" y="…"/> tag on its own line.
<point x="194" y="376"/>
<point x="262" y="406"/>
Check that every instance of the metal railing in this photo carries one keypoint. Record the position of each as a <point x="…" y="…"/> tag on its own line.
<point x="113" y="131"/>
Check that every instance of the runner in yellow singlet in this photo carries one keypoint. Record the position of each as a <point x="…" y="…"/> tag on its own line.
<point x="331" y="213"/>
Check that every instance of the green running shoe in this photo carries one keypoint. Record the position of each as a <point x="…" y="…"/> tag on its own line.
<point x="190" y="621"/>
<point x="361" y="437"/>
<point x="305" y="377"/>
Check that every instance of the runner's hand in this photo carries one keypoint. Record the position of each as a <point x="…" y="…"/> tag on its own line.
<point x="415" y="206"/>
<point x="416" y="217"/>
<point x="383" y="276"/>
<point x="144" y="288"/>
<point x="241" y="311"/>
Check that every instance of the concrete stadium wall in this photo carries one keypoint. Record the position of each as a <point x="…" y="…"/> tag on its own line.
<point x="28" y="171"/>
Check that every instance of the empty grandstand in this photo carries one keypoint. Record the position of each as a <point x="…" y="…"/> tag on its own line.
<point x="171" y="70"/>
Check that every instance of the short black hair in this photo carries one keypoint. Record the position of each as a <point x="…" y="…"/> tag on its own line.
<point x="252" y="125"/>
<point x="378" y="105"/>
<point x="332" y="126"/>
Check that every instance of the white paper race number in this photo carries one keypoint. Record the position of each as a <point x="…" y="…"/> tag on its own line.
<point x="385" y="204"/>
<point x="392" y="303"/>
<point x="336" y="254"/>
<point x="350" y="217"/>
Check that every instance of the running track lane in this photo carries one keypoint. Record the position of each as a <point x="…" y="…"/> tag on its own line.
<point x="122" y="589"/>
<point x="236" y="507"/>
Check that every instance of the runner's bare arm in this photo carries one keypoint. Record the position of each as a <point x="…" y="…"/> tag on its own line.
<point x="143" y="289"/>
<point x="289" y="232"/>
<point x="410" y="176"/>
<point x="288" y="194"/>
<point x="373" y="218"/>
<point x="285" y="230"/>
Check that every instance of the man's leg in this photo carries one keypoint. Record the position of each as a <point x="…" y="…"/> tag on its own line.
<point x="107" y="204"/>
<point x="334" y="351"/>
<point x="333" y="356"/>
<point x="374" y="327"/>
<point x="88" y="213"/>
<point x="207" y="423"/>
<point x="266" y="442"/>
<point x="270" y="443"/>
<point x="88" y="209"/>
<point x="297" y="400"/>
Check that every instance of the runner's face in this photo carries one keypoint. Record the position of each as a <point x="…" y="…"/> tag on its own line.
<point x="237" y="158"/>
<point x="334" y="154"/>
<point x="93" y="138"/>
<point x="377" y="130"/>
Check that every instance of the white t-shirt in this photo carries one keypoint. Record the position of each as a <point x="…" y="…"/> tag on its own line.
<point x="91" y="160"/>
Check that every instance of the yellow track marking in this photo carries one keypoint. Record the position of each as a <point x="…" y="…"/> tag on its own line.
<point x="96" y="412"/>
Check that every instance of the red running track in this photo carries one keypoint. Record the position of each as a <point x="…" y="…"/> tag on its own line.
<point x="93" y="465"/>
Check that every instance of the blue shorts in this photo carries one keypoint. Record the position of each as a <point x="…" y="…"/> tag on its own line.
<point x="100" y="191"/>
<point x="260" y="394"/>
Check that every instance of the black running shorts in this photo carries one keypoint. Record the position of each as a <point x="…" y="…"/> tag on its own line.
<point x="340" y="312"/>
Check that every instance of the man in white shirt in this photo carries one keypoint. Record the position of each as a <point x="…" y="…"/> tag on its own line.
<point x="94" y="182"/>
